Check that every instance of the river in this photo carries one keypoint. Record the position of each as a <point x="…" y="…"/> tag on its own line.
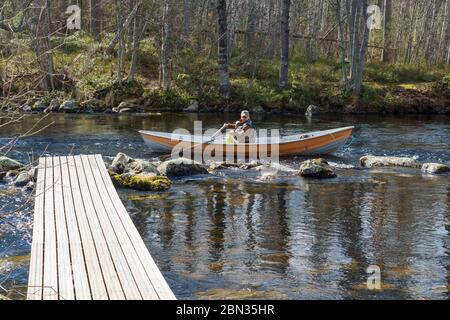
<point x="230" y="236"/>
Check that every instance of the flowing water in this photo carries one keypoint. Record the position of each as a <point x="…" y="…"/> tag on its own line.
<point x="230" y="236"/>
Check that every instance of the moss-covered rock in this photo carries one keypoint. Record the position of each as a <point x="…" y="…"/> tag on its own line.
<point x="142" y="182"/>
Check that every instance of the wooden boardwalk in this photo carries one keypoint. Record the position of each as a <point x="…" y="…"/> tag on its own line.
<point x="85" y="245"/>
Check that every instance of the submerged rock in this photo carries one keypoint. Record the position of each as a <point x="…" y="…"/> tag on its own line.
<point x="142" y="182"/>
<point x="435" y="168"/>
<point x="374" y="161"/>
<point x="317" y="168"/>
<point x="7" y="164"/>
<point x="181" y="167"/>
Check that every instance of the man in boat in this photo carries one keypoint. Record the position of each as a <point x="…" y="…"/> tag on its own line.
<point x="243" y="129"/>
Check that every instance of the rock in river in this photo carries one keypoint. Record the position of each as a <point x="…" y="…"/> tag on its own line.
<point x="69" y="106"/>
<point x="141" y="166"/>
<point x="7" y="164"/>
<point x="22" y="179"/>
<point x="143" y="181"/>
<point x="317" y="168"/>
<point x="374" y="161"/>
<point x="435" y="168"/>
<point x="181" y="167"/>
<point x="120" y="162"/>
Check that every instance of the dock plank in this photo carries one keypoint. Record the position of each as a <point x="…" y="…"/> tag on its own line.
<point x="85" y="245"/>
<point x="50" y="284"/>
<point x="35" y="280"/>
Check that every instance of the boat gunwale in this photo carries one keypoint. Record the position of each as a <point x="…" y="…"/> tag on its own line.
<point x="314" y="135"/>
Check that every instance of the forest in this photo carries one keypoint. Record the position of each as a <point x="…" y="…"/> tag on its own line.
<point x="347" y="56"/>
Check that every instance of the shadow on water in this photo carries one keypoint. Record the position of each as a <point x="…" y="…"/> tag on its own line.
<point x="232" y="237"/>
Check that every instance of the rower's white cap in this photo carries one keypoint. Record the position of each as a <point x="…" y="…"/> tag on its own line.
<point x="245" y="113"/>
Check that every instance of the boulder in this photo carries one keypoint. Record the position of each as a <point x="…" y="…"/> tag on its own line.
<point x="120" y="162"/>
<point x="27" y="108"/>
<point x="39" y="105"/>
<point x="312" y="110"/>
<point x="33" y="173"/>
<point x="181" y="167"/>
<point x="435" y="168"/>
<point x="22" y="179"/>
<point x="7" y="164"/>
<point x="69" y="106"/>
<point x="374" y="161"/>
<point x="141" y="166"/>
<point x="30" y="186"/>
<point x="193" y="107"/>
<point x="12" y="174"/>
<point x="127" y="106"/>
<point x="142" y="182"/>
<point x="94" y="105"/>
<point x="317" y="168"/>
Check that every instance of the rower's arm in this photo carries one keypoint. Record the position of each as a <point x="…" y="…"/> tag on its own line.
<point x="229" y="126"/>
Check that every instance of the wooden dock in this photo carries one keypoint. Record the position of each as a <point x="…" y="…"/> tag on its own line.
<point x="85" y="246"/>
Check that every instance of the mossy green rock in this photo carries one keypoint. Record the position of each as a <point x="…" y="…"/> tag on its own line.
<point x="142" y="182"/>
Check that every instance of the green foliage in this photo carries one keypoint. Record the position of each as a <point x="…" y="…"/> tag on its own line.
<point x="393" y="73"/>
<point x="170" y="100"/>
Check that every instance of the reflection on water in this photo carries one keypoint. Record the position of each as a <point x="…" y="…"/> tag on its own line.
<point x="230" y="237"/>
<point x="254" y="239"/>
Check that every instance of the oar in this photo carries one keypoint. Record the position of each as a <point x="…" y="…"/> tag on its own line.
<point x="213" y="137"/>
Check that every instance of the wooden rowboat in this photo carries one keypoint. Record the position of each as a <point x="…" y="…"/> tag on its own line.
<point x="312" y="143"/>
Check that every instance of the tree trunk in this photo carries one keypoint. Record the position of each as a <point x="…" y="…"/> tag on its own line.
<point x="362" y="51"/>
<point x="284" y="41"/>
<point x="138" y="31"/>
<point x="342" y="43"/>
<point x="224" y="77"/>
<point x="95" y="8"/>
<point x="186" y="20"/>
<point x="122" y="28"/>
<point x="120" y="55"/>
<point x="270" y="30"/>
<point x="385" y="55"/>
<point x="166" y="46"/>
<point x="43" y="46"/>
<point x="251" y="24"/>
<point x="443" y="41"/>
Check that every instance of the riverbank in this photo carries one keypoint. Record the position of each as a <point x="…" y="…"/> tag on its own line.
<point x="87" y="84"/>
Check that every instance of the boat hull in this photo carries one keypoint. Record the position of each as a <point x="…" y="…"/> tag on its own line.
<point x="315" y="143"/>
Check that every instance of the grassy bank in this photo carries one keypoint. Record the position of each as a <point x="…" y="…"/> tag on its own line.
<point x="88" y="75"/>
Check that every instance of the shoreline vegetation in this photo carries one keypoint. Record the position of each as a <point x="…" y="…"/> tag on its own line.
<point x="270" y="58"/>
